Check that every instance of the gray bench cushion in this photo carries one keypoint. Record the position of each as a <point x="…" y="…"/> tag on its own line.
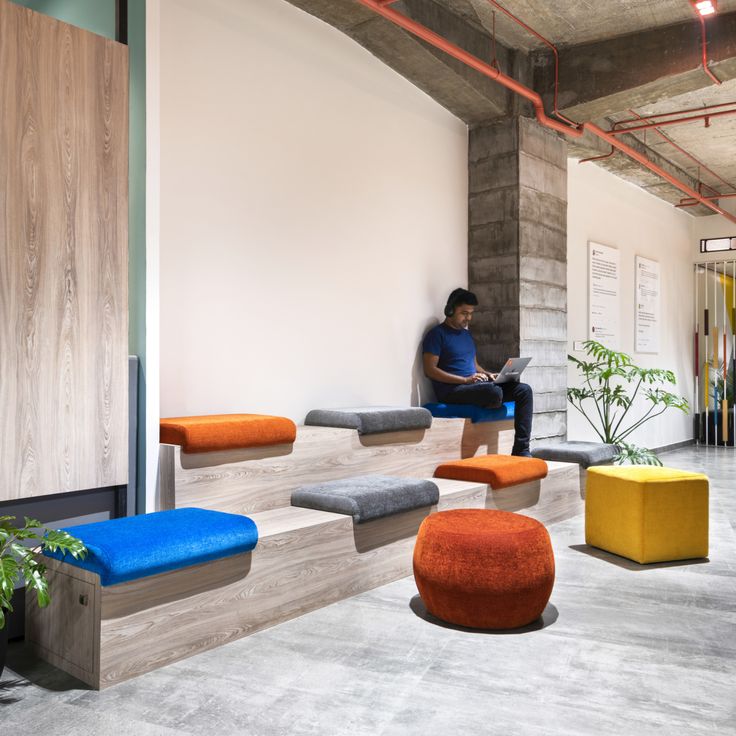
<point x="367" y="497"/>
<point x="584" y="454"/>
<point x="372" y="419"/>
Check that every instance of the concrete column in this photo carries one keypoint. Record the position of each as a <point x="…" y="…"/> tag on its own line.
<point x="517" y="257"/>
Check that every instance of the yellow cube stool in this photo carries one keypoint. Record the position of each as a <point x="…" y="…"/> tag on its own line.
<point x="647" y="513"/>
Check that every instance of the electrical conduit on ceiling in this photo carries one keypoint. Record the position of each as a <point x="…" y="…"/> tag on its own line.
<point x="381" y="7"/>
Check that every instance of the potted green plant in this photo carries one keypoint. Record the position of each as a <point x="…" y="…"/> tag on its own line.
<point x="20" y="560"/>
<point x="610" y="385"/>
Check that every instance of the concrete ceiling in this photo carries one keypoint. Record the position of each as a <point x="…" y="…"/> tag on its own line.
<point x="615" y="56"/>
<point x="715" y="146"/>
<point x="567" y="22"/>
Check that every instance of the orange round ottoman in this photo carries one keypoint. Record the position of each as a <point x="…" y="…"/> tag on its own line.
<point x="484" y="569"/>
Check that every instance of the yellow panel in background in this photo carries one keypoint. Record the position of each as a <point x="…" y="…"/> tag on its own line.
<point x="728" y="294"/>
<point x="724" y="420"/>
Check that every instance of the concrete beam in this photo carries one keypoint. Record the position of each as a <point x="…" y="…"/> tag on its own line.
<point x="463" y="91"/>
<point x="633" y="172"/>
<point x="605" y="77"/>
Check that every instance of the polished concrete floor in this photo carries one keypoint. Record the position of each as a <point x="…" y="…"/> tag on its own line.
<point x="623" y="649"/>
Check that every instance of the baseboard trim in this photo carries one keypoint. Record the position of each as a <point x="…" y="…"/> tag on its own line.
<point x="673" y="446"/>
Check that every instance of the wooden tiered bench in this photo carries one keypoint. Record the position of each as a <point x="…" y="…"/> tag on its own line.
<point x="252" y="480"/>
<point x="305" y="558"/>
<point x="257" y="479"/>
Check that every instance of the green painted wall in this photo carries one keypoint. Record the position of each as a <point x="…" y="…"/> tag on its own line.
<point x="137" y="223"/>
<point x="98" y="16"/>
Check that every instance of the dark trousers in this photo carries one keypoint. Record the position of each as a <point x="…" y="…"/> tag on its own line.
<point x="490" y="395"/>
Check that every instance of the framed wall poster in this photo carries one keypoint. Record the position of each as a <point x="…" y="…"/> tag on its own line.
<point x="604" y="294"/>
<point x="646" y="327"/>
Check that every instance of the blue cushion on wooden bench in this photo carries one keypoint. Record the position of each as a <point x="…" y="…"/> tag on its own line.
<point x="137" y="546"/>
<point x="472" y="412"/>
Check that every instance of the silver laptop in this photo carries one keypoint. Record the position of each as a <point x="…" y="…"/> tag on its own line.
<point x="512" y="370"/>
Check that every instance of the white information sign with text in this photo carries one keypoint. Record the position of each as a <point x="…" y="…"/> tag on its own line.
<point x="603" y="295"/>
<point x="647" y="306"/>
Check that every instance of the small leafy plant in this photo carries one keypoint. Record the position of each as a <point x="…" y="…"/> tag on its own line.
<point x="17" y="559"/>
<point x="612" y="383"/>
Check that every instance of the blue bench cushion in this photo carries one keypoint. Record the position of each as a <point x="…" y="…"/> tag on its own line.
<point x="137" y="546"/>
<point x="372" y="419"/>
<point x="367" y="497"/>
<point x="472" y="412"/>
<point x="582" y="453"/>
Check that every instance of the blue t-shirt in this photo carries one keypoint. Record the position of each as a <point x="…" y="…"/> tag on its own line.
<point x="456" y="351"/>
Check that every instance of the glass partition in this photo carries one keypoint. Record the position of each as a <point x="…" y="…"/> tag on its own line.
<point x="715" y="356"/>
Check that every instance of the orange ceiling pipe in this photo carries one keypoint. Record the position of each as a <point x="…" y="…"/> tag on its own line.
<point x="704" y="45"/>
<point x="644" y="161"/>
<point x="699" y="163"/>
<point x="676" y="121"/>
<point x="529" y="29"/>
<point x="674" y="113"/>
<point x="692" y="203"/>
<point x="382" y="8"/>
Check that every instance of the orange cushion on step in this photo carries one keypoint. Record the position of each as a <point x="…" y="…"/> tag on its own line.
<point x="499" y="471"/>
<point x="226" y="432"/>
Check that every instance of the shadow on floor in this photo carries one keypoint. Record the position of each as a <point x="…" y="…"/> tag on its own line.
<point x="627" y="564"/>
<point x="10" y="690"/>
<point x="34" y="671"/>
<point x="548" y="617"/>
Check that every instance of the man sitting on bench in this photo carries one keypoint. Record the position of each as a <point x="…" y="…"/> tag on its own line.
<point x="451" y="363"/>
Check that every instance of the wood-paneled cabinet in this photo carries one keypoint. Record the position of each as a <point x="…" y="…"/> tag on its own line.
<point x="63" y="257"/>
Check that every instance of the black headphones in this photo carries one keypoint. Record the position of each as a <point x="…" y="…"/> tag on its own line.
<point x="455" y="298"/>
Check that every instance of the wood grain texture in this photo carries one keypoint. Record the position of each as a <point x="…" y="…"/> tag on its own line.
<point x="166" y="496"/>
<point x="67" y="632"/>
<point x="248" y="481"/>
<point x="554" y="498"/>
<point x="305" y="559"/>
<point x="63" y="257"/>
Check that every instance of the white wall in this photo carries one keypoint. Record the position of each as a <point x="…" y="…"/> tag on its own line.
<point x="713" y="226"/>
<point x="313" y="214"/>
<point x="608" y="210"/>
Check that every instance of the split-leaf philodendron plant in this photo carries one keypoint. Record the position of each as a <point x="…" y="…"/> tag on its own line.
<point x="18" y="560"/>
<point x="610" y="385"/>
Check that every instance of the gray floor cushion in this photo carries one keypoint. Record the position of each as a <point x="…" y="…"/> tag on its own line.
<point x="367" y="497"/>
<point x="584" y="454"/>
<point x="372" y="419"/>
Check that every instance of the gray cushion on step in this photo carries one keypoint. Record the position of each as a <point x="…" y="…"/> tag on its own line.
<point x="367" y="497"/>
<point x="372" y="419"/>
<point x="584" y="454"/>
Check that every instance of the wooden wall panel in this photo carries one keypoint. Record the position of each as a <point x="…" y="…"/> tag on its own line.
<point x="63" y="257"/>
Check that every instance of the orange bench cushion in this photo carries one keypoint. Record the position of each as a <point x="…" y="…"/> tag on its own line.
<point x="499" y="471"/>
<point x="226" y="432"/>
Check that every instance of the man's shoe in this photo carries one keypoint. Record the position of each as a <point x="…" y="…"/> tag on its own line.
<point x="521" y="453"/>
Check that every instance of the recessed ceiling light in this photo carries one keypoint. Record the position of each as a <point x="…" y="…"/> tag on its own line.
<point x="705" y="7"/>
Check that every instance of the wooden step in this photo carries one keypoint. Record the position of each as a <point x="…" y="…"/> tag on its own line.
<point x="305" y="559"/>
<point x="249" y="481"/>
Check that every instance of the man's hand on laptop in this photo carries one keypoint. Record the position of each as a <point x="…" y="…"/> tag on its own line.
<point x="478" y="378"/>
